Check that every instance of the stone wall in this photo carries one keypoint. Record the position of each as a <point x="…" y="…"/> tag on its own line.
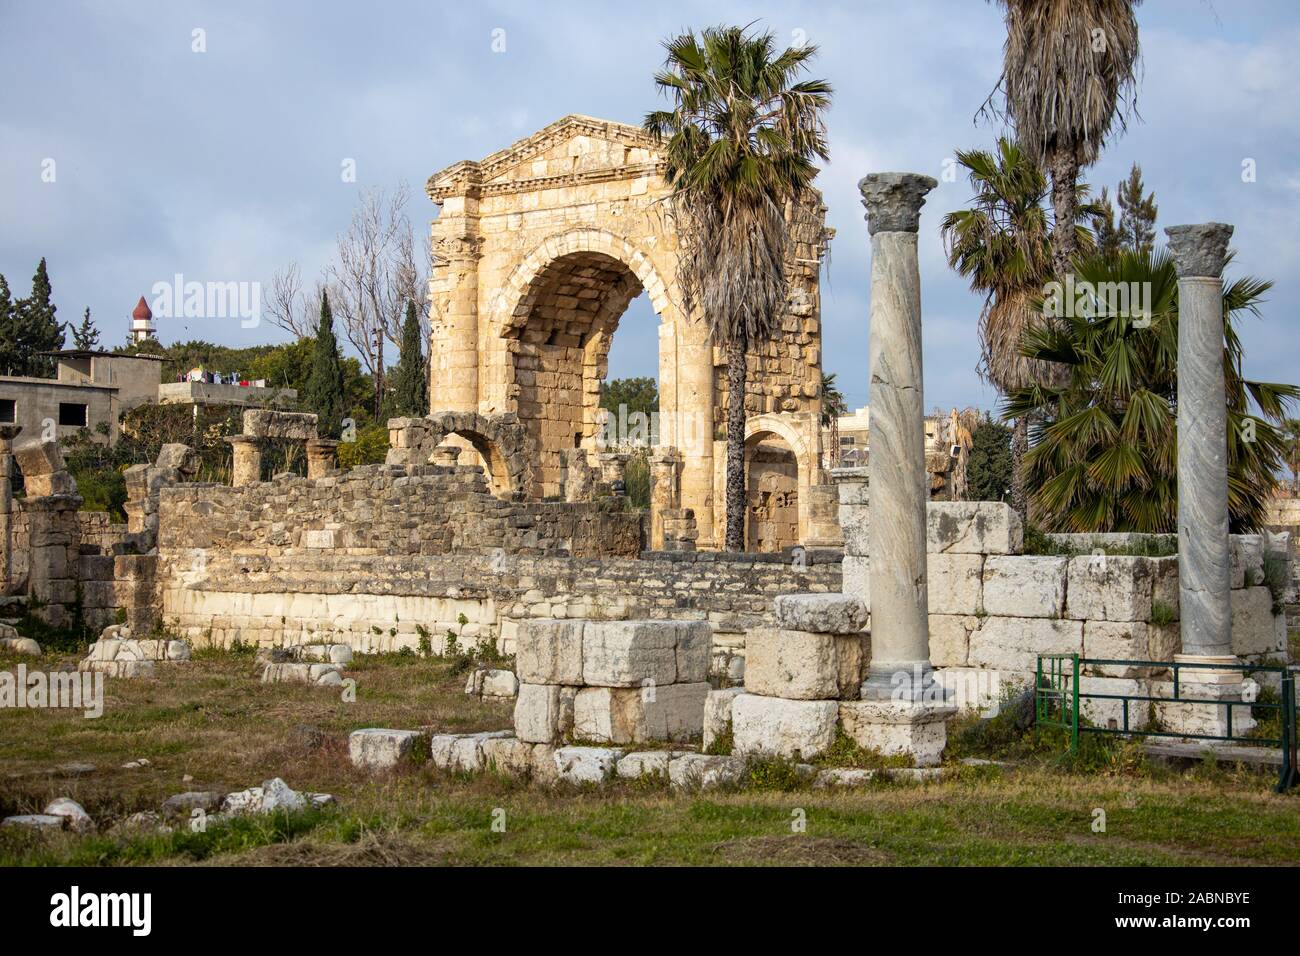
<point x="381" y="602"/>
<point x="388" y="510"/>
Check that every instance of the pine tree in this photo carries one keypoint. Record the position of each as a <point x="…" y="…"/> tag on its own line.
<point x="85" y="336"/>
<point x="1137" y="215"/>
<point x="38" y="329"/>
<point x="410" y="390"/>
<point x="325" y="385"/>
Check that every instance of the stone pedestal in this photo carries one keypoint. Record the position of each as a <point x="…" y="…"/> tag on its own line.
<point x="247" y="466"/>
<point x="899" y="482"/>
<point x="447" y="456"/>
<point x="915" y="728"/>
<point x="613" y="467"/>
<point x="322" y="457"/>
<point x="54" y="534"/>
<point x="1206" y="719"/>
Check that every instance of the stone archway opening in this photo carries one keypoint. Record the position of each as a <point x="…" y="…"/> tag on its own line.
<point x="771" y="493"/>
<point x="561" y="332"/>
<point x="480" y="450"/>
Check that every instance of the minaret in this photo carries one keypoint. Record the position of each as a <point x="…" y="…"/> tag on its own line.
<point x="142" y="326"/>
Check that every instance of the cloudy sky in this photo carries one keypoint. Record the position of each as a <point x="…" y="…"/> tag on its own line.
<point x="224" y="165"/>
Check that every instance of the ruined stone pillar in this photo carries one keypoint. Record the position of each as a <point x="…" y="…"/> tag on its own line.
<point x="453" y="349"/>
<point x="665" y="491"/>
<point x="1204" y="560"/>
<point x="247" y="467"/>
<point x="322" y="457"/>
<point x="899" y="593"/>
<point x="692" y="430"/>
<point x="7" y="435"/>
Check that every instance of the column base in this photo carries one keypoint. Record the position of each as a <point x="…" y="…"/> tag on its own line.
<point x="1208" y="719"/>
<point x="903" y="681"/>
<point x="916" y="729"/>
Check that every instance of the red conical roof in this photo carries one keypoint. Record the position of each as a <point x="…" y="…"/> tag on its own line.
<point x="141" y="310"/>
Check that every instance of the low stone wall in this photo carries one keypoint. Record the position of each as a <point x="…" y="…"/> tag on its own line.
<point x="99" y="532"/>
<point x="382" y="602"/>
<point x="389" y="510"/>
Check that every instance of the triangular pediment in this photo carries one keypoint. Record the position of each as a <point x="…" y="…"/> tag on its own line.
<point x="570" y="150"/>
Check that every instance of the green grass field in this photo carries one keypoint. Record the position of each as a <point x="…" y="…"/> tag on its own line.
<point x="213" y="721"/>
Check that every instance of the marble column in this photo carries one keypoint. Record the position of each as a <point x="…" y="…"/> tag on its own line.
<point x="247" y="466"/>
<point x="7" y="435"/>
<point x="900" y="638"/>
<point x="1204" y="560"/>
<point x="322" y="456"/>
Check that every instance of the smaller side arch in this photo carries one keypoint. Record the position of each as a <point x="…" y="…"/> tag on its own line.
<point x="501" y="440"/>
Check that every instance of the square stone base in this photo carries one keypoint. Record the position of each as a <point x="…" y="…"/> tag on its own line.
<point x="1208" y="719"/>
<point x="890" y="727"/>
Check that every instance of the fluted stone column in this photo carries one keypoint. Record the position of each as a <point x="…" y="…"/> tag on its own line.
<point x="1204" y="561"/>
<point x="900" y="611"/>
<point x="7" y="435"/>
<point x="247" y="466"/>
<point x="322" y="456"/>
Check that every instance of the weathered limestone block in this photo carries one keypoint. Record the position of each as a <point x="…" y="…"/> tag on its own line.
<point x="956" y="583"/>
<point x="1118" y="640"/>
<point x="717" y="713"/>
<point x="630" y="653"/>
<point x="821" y="613"/>
<point x="852" y="663"/>
<point x="270" y="423"/>
<point x="973" y="527"/>
<point x="978" y="688"/>
<point x="549" y="652"/>
<point x="856" y="578"/>
<point x="855" y="522"/>
<point x="590" y="765"/>
<point x="509" y="756"/>
<point x="645" y="763"/>
<point x="1025" y="585"/>
<point x="795" y="729"/>
<point x="797" y="665"/>
<point x="1110" y="588"/>
<point x="950" y="638"/>
<point x="634" y="714"/>
<point x="890" y="727"/>
<point x="11" y="643"/>
<point x="694" y="651"/>
<point x="704" y="772"/>
<point x="1013" y="643"/>
<point x="377" y="748"/>
<point x="495" y="683"/>
<point x="1110" y="713"/>
<point x="293" y="672"/>
<point x="73" y="814"/>
<point x="467" y="754"/>
<point x="537" y="713"/>
<point x="1254" y="626"/>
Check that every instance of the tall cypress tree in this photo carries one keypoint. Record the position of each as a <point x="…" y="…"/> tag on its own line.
<point x="410" y="390"/>
<point x="38" y="328"/>
<point x="8" y="330"/>
<point x="325" y="385"/>
<point x="85" y="336"/>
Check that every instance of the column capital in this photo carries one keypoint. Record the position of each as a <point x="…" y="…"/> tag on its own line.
<point x="894" y="200"/>
<point x="1200" y="249"/>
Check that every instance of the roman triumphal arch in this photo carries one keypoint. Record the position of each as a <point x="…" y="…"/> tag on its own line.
<point x="538" y="250"/>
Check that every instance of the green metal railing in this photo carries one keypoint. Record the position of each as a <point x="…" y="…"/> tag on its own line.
<point x="1059" y="692"/>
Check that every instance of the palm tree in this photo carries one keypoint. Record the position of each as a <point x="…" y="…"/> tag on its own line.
<point x="1068" y="75"/>
<point x="1002" y="245"/>
<point x="740" y="142"/>
<point x="834" y="407"/>
<point x="1104" y="441"/>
